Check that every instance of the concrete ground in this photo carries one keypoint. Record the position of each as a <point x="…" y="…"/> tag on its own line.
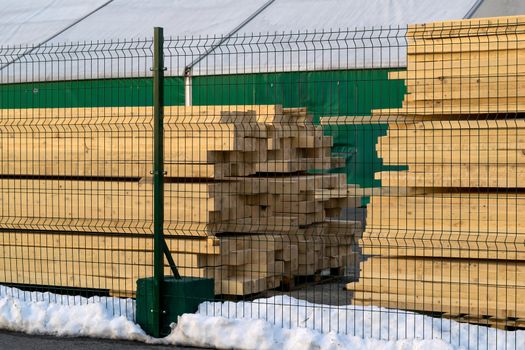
<point x="21" y="341"/>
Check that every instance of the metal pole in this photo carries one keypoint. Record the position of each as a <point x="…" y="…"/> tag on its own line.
<point x="187" y="89"/>
<point x="158" y="175"/>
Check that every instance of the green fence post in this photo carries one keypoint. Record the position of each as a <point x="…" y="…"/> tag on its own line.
<point x="162" y="299"/>
<point x="158" y="175"/>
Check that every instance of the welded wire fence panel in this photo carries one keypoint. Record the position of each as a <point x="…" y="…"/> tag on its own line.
<point x="271" y="197"/>
<point x="364" y="181"/>
<point x="76" y="154"/>
<point x="445" y="238"/>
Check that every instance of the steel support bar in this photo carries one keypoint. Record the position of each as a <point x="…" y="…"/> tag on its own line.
<point x="171" y="262"/>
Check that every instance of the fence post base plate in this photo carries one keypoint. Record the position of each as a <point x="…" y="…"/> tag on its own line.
<point x="178" y="296"/>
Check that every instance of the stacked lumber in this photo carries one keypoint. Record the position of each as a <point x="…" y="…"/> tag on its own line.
<point x="459" y="153"/>
<point x="464" y="67"/>
<point x="242" y="205"/>
<point x="458" y="68"/>
<point x="447" y="234"/>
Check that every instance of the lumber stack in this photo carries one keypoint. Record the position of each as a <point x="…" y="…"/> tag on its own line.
<point x="458" y="68"/>
<point x="456" y="154"/>
<point x="242" y="204"/>
<point x="447" y="234"/>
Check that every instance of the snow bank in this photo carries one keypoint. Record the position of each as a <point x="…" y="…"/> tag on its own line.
<point x="275" y="323"/>
<point x="225" y="333"/>
<point x="366" y="322"/>
<point x="62" y="315"/>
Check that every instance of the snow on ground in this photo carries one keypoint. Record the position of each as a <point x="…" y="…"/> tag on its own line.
<point x="226" y="333"/>
<point x="62" y="315"/>
<point x="367" y="322"/>
<point x="279" y="322"/>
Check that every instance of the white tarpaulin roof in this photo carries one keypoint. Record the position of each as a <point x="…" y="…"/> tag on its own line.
<point x="286" y="15"/>
<point x="30" y="22"/>
<point x="63" y="21"/>
<point x="132" y="19"/>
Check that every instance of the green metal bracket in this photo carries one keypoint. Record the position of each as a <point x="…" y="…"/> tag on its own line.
<point x="171" y="262"/>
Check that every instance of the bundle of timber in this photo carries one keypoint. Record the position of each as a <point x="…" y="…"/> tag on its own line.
<point x="248" y="197"/>
<point x="455" y="154"/>
<point x="466" y="69"/>
<point x="447" y="235"/>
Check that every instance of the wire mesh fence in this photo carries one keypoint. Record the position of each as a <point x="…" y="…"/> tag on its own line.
<point x="364" y="181"/>
<point x="76" y="141"/>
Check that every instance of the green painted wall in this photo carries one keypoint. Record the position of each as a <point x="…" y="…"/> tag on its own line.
<point x="88" y="93"/>
<point x="325" y="93"/>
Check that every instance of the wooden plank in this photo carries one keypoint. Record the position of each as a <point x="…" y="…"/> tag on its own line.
<point x="109" y="256"/>
<point x="298" y="115"/>
<point x="45" y="239"/>
<point x="477" y="243"/>
<point x="486" y="63"/>
<point x="114" y="267"/>
<point x="462" y="33"/>
<point x="466" y="26"/>
<point x="437" y="226"/>
<point x="498" y="103"/>
<point x="118" y="286"/>
<point x="139" y="115"/>
<point x="460" y="127"/>
<point x="299" y="207"/>
<point x="467" y="142"/>
<point x="484" y="294"/>
<point x="196" y="170"/>
<point x="475" y="199"/>
<point x="506" y="57"/>
<point x="70" y="279"/>
<point x="464" y="140"/>
<point x="512" y="35"/>
<point x="485" y="272"/>
<point x="465" y="87"/>
<point x="476" y="171"/>
<point x="342" y="120"/>
<point x="405" y="117"/>
<point x="436" y="304"/>
<point x="142" y="115"/>
<point x="432" y="70"/>
<point x="283" y="166"/>
<point x="398" y="114"/>
<point x="243" y="285"/>
<point x="470" y="215"/>
<point x="432" y="223"/>
<point x="107" y="206"/>
<point x="493" y="176"/>
<point x="102" y="155"/>
<point x="475" y="91"/>
<point x="481" y="215"/>
<point x="436" y="160"/>
<point x="136" y="119"/>
<point x="397" y="75"/>
<point x="485" y="43"/>
<point x="183" y="225"/>
<point x="101" y="269"/>
<point x="424" y="249"/>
